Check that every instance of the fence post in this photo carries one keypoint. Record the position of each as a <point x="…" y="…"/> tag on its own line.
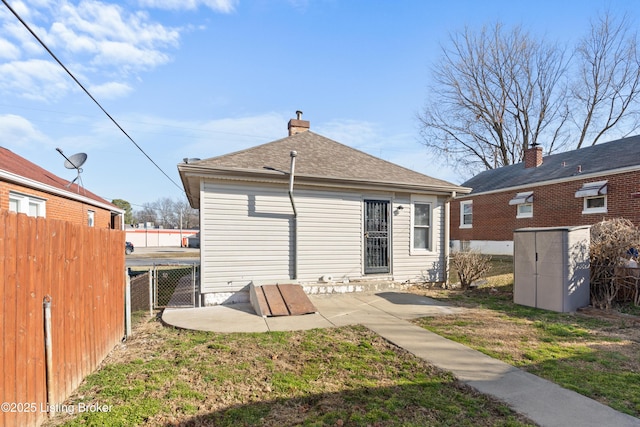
<point x="127" y="305"/>
<point x="48" y="350"/>
<point x="150" y="275"/>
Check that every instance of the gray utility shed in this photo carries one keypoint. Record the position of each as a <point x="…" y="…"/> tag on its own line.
<point x="342" y="215"/>
<point x="551" y="267"/>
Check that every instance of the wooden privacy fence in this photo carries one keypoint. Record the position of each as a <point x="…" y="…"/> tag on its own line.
<point x="82" y="270"/>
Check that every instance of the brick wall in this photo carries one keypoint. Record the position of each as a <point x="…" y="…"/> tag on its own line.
<point x="59" y="208"/>
<point x="553" y="205"/>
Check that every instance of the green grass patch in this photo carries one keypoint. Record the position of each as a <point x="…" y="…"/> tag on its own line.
<point x="344" y="376"/>
<point x="587" y="354"/>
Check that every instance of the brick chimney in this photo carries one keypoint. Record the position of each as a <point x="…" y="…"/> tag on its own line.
<point x="533" y="156"/>
<point x="298" y="125"/>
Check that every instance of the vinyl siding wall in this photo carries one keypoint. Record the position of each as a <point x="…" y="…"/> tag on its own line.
<point x="330" y="235"/>
<point x="247" y="235"/>
<point x="417" y="266"/>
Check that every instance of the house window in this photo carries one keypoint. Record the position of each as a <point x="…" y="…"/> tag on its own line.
<point x="466" y="214"/>
<point x="597" y="204"/>
<point x="22" y="203"/>
<point x="421" y="227"/>
<point x="525" y="210"/>
<point x="91" y="218"/>
<point x="594" y="195"/>
<point x="524" y="203"/>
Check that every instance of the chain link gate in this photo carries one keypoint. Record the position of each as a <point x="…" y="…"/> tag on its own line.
<point x="175" y="285"/>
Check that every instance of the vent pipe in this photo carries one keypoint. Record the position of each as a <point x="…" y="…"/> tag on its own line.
<point x="293" y="155"/>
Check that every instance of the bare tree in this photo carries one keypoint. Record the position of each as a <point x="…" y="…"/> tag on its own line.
<point x="495" y="93"/>
<point x="166" y="211"/>
<point x="190" y="216"/>
<point x="608" y="83"/>
<point x="147" y="214"/>
<point x="498" y="91"/>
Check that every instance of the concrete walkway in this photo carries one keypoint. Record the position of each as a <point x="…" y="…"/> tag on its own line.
<point x="387" y="314"/>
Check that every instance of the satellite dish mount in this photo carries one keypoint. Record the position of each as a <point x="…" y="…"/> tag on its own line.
<point x="74" y="162"/>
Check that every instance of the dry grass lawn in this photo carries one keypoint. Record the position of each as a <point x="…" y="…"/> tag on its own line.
<point x="594" y="352"/>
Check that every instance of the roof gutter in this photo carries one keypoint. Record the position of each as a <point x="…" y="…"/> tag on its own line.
<point x="349" y="183"/>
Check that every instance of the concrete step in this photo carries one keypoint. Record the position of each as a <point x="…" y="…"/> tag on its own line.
<point x="353" y="286"/>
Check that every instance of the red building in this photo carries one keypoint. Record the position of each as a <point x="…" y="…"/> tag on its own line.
<point x="26" y="187"/>
<point x="579" y="187"/>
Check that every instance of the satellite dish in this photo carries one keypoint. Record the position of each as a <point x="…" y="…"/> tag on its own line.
<point x="74" y="162"/>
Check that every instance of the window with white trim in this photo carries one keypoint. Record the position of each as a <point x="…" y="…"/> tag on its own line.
<point x="421" y="226"/>
<point x="91" y="217"/>
<point x="466" y="214"/>
<point x="525" y="210"/>
<point x="23" y="203"/>
<point x="524" y="204"/>
<point x="595" y="204"/>
<point x="594" y="196"/>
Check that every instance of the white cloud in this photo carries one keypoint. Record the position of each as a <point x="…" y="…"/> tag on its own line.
<point x="209" y="138"/>
<point x="350" y="132"/>
<point x="73" y="42"/>
<point x="103" y="41"/>
<point x="8" y="50"/>
<point x="110" y="22"/>
<point x="110" y="90"/>
<point x="34" y="79"/>
<point x="223" y="6"/>
<point x="128" y="57"/>
<point x="17" y="131"/>
<point x="28" y="45"/>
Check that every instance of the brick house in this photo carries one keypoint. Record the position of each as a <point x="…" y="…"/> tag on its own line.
<point x="27" y="188"/>
<point x="579" y="187"/>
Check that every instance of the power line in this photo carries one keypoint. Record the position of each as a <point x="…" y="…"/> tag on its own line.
<point x="87" y="92"/>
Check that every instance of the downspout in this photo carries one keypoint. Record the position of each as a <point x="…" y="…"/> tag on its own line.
<point x="447" y="235"/>
<point x="293" y="155"/>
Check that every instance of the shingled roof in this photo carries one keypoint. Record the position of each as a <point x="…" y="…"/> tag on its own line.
<point x="596" y="159"/>
<point x="321" y="159"/>
<point x="17" y="167"/>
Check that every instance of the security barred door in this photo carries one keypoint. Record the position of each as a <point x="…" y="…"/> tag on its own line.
<point x="376" y="236"/>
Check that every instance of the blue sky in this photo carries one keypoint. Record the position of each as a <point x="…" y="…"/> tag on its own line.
<point x="202" y="78"/>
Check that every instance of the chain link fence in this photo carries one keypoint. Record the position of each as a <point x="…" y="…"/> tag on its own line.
<point x="164" y="286"/>
<point x="175" y="285"/>
<point x="140" y="294"/>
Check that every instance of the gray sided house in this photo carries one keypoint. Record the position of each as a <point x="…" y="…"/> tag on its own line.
<point x="306" y="209"/>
